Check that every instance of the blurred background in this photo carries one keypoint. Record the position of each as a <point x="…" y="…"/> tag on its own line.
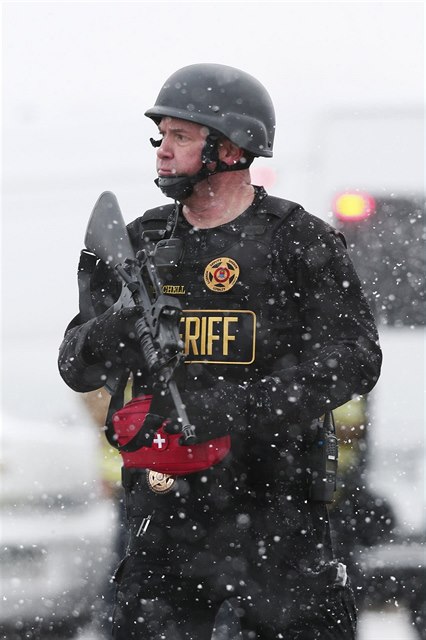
<point x="347" y="82"/>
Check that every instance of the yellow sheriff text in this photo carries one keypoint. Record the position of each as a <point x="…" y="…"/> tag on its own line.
<point x="203" y="334"/>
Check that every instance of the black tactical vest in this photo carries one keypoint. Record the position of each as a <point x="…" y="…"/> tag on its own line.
<point x="240" y="307"/>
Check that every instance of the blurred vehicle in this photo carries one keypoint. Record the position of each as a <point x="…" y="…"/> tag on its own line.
<point x="56" y="525"/>
<point x="372" y="180"/>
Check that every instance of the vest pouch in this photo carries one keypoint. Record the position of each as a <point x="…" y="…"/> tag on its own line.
<point x="165" y="454"/>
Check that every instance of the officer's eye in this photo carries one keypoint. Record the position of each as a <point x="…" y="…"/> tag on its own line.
<point x="181" y="138"/>
<point x="156" y="143"/>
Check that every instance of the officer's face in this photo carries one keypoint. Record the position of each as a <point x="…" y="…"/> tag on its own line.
<point x="181" y="146"/>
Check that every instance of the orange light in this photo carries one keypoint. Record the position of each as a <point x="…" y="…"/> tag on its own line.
<point x="353" y="205"/>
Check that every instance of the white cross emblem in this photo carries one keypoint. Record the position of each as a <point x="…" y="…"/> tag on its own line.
<point x="159" y="441"/>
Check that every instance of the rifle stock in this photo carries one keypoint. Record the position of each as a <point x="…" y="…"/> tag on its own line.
<point x="106" y="233"/>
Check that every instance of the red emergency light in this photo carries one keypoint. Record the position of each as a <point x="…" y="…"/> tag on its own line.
<point x="353" y="206"/>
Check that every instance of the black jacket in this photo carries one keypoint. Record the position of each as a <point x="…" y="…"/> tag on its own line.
<point x="295" y="310"/>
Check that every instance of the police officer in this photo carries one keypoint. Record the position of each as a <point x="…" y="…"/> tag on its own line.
<point x="276" y="332"/>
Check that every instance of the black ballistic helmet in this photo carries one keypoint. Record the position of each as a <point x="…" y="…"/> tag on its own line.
<point x="222" y="98"/>
<point x="228" y="101"/>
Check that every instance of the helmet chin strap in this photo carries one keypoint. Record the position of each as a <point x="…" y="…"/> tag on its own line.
<point x="180" y="187"/>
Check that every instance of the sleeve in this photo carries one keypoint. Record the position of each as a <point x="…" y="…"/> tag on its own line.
<point x="341" y="356"/>
<point x="76" y="371"/>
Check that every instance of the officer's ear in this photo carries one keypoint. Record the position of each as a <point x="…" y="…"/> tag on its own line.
<point x="229" y="153"/>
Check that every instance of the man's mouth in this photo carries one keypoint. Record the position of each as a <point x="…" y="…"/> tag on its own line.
<point x="166" y="172"/>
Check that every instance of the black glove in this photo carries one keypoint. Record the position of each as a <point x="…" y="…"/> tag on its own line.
<point x="112" y="340"/>
<point x="214" y="406"/>
<point x="146" y="433"/>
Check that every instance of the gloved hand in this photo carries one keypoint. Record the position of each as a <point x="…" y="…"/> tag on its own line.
<point x="137" y="422"/>
<point x="112" y="340"/>
<point x="144" y="436"/>
<point x="214" y="406"/>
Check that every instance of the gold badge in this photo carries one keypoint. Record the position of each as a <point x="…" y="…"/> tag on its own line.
<point x="159" y="482"/>
<point x="221" y="274"/>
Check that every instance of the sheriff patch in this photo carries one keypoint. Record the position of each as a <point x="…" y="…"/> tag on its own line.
<point x="221" y="274"/>
<point x="159" y="482"/>
<point x="217" y="336"/>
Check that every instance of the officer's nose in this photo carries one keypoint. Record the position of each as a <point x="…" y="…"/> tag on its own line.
<point x="164" y="150"/>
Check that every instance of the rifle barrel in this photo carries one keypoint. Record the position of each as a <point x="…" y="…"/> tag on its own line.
<point x="188" y="430"/>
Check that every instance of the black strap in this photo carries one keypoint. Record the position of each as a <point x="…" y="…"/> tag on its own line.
<point x="116" y="403"/>
<point x="86" y="267"/>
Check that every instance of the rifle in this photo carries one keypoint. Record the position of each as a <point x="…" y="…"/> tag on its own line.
<point x="157" y="328"/>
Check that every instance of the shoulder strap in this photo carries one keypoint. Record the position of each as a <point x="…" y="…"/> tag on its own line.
<point x="279" y="207"/>
<point x="155" y="224"/>
<point x="272" y="207"/>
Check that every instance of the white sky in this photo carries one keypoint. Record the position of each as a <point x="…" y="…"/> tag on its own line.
<point x="63" y="58"/>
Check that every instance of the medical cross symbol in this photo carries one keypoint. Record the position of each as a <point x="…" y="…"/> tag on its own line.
<point x="159" y="441"/>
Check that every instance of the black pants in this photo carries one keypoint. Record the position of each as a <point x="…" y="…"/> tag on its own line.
<point x="153" y="606"/>
<point x="202" y="545"/>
